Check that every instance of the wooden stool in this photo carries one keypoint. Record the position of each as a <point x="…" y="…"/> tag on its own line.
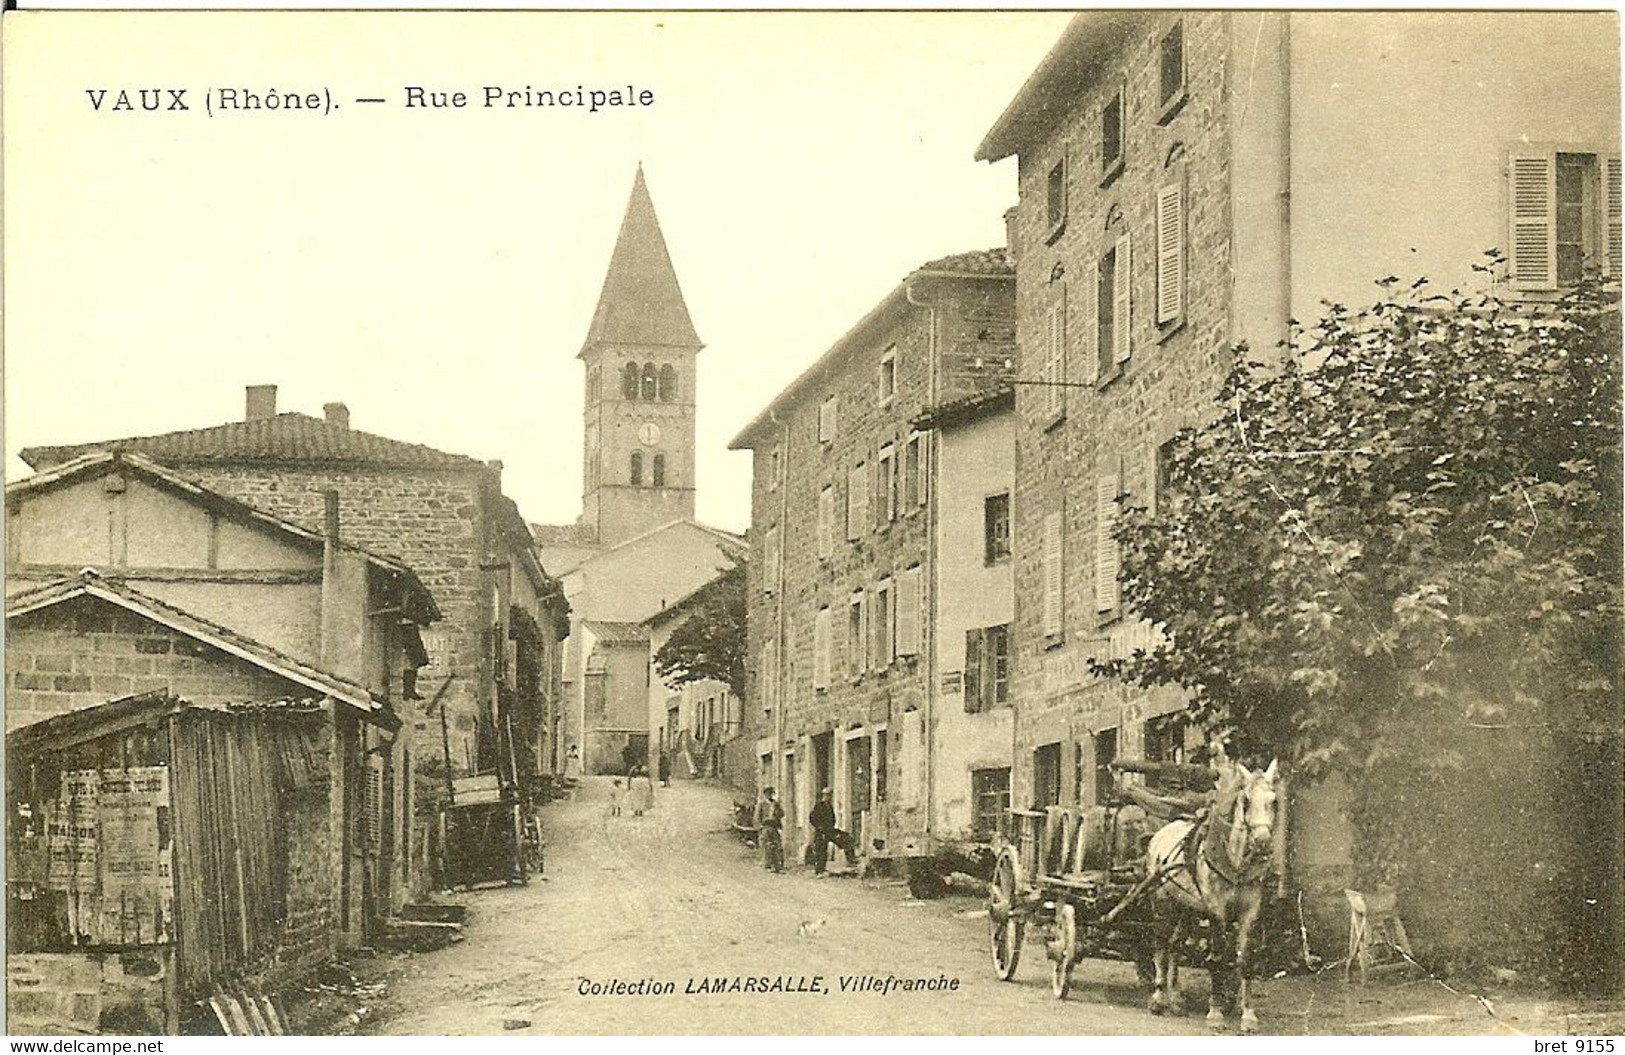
<point x="1375" y="932"/>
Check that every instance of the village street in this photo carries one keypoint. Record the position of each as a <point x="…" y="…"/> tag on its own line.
<point x="671" y="896"/>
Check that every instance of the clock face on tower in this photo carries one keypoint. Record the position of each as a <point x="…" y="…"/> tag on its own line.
<point x="648" y="434"/>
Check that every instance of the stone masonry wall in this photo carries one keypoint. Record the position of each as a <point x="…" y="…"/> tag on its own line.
<point x="434" y="521"/>
<point x="972" y="314"/>
<point x="84" y="652"/>
<point x="1167" y="383"/>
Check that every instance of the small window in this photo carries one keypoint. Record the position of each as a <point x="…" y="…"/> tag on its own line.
<point x="1173" y="70"/>
<point x="828" y="412"/>
<point x="659" y="472"/>
<point x="1055" y="199"/>
<point x="881" y="617"/>
<point x="913" y="472"/>
<point x="668" y="383"/>
<point x="636" y="475"/>
<point x="650" y="390"/>
<point x="987" y="667"/>
<point x="996" y="528"/>
<point x="990" y="792"/>
<point x="1105" y="313"/>
<point x="886" y="510"/>
<point x="888" y="376"/>
<point x="1111" y="138"/>
<point x="1047" y="775"/>
<point x="629" y="381"/>
<point x="855" y="644"/>
<point x="774" y="468"/>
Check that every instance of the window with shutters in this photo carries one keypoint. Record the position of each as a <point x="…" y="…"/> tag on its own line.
<point x="1052" y="376"/>
<point x="990" y="793"/>
<point x="857" y="502"/>
<point x="886" y="509"/>
<point x="821" y="648"/>
<point x="1172" y="52"/>
<point x="1107" y="487"/>
<point x="910" y="602"/>
<point x="770" y="559"/>
<point x="828" y="413"/>
<point x="987" y="667"/>
<point x="826" y="522"/>
<point x="886" y="384"/>
<point x="880" y="624"/>
<point x="855" y="643"/>
<point x="996" y="528"/>
<point x="913" y="490"/>
<point x="1564" y="217"/>
<point x="1053" y="575"/>
<point x="1113" y="324"/>
<point x="1055" y="200"/>
<point x="1111" y="139"/>
<point x="1170" y="250"/>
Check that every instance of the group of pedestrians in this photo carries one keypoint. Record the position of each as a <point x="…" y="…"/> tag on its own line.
<point x="770" y="833"/>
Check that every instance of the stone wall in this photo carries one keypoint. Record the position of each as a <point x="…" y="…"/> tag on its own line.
<point x="1116" y="426"/>
<point x="85" y="651"/>
<point x="435" y="521"/>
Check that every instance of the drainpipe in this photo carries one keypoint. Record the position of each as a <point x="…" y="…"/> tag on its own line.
<point x="779" y="635"/>
<point x="930" y="578"/>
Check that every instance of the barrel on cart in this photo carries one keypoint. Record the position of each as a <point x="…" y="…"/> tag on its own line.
<point x="1080" y="872"/>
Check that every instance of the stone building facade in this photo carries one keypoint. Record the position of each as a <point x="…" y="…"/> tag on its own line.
<point x="842" y="551"/>
<point x="1190" y="181"/>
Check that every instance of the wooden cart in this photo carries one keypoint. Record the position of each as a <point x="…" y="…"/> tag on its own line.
<point x="1080" y="873"/>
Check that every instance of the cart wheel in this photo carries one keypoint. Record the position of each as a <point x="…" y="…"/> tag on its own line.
<point x="1066" y="938"/>
<point x="1005" y="924"/>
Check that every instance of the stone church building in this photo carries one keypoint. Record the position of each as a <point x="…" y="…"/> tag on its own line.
<point x="636" y="547"/>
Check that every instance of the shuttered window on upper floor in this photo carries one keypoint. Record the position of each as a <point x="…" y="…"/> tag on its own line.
<point x="1052" y="371"/>
<point x="1108" y="486"/>
<point x="1054" y="577"/>
<point x="1170" y="249"/>
<point x="1563" y="217"/>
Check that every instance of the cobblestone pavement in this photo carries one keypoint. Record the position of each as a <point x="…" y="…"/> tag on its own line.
<point x="672" y="896"/>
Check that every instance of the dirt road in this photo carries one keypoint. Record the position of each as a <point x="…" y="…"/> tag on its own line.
<point x="670" y="898"/>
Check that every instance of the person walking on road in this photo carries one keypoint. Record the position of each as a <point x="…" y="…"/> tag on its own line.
<point x="824" y="832"/>
<point x="770" y="829"/>
<point x="640" y="791"/>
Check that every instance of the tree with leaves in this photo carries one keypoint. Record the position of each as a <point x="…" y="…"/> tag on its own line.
<point x="710" y="644"/>
<point x="1394" y="554"/>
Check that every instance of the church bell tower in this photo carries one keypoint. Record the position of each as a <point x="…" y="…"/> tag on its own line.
<point x="640" y="353"/>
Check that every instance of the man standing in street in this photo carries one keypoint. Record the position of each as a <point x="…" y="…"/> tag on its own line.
<point x="824" y="832"/>
<point x="770" y="829"/>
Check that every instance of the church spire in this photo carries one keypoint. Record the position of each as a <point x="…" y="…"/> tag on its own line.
<point x="641" y="303"/>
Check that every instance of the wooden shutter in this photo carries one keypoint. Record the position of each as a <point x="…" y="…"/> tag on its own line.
<point x="1091" y="324"/>
<point x="1170" y="253"/>
<point x="1122" y="320"/>
<point x="370" y="818"/>
<point x="1052" y="573"/>
<point x="1106" y="558"/>
<point x="1532" y="194"/>
<point x="908" y="612"/>
<point x="826" y="522"/>
<point x="821" y="649"/>
<point x="1611" y="202"/>
<point x="973" y="671"/>
<point x="1055" y="358"/>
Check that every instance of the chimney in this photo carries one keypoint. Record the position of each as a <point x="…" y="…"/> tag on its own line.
<point x="1010" y="231"/>
<point x="261" y="402"/>
<point x="338" y="414"/>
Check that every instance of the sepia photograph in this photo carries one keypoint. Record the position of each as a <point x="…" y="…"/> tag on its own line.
<point x="808" y="523"/>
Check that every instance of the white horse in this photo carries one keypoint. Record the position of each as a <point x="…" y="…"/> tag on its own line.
<point x="1216" y="867"/>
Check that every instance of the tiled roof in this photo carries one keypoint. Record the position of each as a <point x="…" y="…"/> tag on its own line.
<point x="577" y="534"/>
<point x="968" y="408"/>
<point x="611" y="633"/>
<point x="98" y="463"/>
<point x="286" y="438"/>
<point x="977" y="262"/>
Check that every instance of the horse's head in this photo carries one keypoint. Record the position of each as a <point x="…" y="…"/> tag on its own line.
<point x="1258" y="793"/>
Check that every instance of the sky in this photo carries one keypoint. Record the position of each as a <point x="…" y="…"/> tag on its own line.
<point x="436" y="269"/>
